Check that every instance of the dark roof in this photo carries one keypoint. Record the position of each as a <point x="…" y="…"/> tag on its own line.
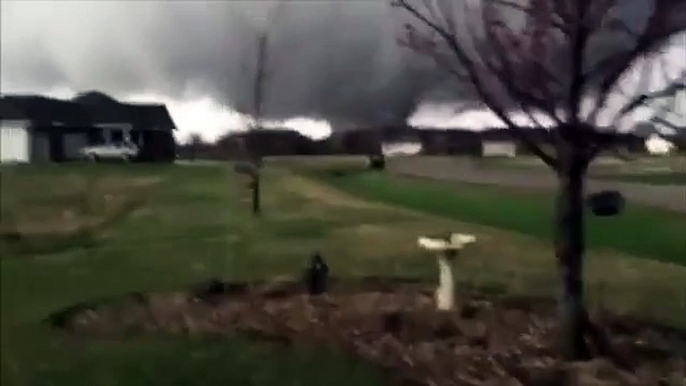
<point x="93" y="98"/>
<point x="10" y="110"/>
<point x="264" y="133"/>
<point x="85" y="109"/>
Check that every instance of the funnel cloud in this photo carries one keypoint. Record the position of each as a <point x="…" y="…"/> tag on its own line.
<point x="331" y="60"/>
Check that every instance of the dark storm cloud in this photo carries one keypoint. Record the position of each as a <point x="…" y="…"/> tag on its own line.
<point x="326" y="59"/>
<point x="336" y="60"/>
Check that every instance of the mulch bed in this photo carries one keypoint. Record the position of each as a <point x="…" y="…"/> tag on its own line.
<point x="489" y="340"/>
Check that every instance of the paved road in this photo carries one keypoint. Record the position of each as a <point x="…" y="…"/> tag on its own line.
<point x="666" y="196"/>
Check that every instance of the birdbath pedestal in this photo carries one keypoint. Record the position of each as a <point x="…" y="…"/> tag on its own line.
<point x="445" y="250"/>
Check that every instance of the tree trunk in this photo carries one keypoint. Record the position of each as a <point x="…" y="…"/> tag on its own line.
<point x="256" y="194"/>
<point x="569" y="249"/>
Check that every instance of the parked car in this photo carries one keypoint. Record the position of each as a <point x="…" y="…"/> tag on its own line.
<point x="118" y="151"/>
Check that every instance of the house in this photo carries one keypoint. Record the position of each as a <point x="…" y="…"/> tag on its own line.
<point x="656" y="142"/>
<point x="500" y="142"/>
<point x="400" y="141"/>
<point x="41" y="129"/>
<point x="265" y="142"/>
<point x="357" y="141"/>
<point x="451" y="141"/>
<point x="397" y="148"/>
<point x="657" y="145"/>
<point x="498" y="149"/>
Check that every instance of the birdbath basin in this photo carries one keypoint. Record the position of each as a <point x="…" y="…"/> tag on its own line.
<point x="445" y="249"/>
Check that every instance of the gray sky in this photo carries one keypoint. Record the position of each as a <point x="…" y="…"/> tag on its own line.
<point x="336" y="60"/>
<point x="327" y="58"/>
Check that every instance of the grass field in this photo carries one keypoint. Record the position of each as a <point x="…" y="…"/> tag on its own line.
<point x="653" y="178"/>
<point x="639" y="231"/>
<point x="89" y="232"/>
<point x="188" y="229"/>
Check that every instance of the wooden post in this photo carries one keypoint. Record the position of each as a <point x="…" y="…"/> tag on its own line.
<point x="256" y="194"/>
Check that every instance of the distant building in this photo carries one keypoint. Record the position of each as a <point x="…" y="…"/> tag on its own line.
<point x="501" y="143"/>
<point x="656" y="145"/>
<point x="40" y="129"/>
<point x="401" y="148"/>
<point x="498" y="148"/>
<point x="264" y="142"/>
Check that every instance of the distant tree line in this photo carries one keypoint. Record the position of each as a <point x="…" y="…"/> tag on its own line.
<point x="285" y="142"/>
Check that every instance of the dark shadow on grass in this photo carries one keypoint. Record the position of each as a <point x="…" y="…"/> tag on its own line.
<point x="15" y="243"/>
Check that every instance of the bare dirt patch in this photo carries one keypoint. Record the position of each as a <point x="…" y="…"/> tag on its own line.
<point x="490" y="340"/>
<point x="318" y="192"/>
<point x="78" y="221"/>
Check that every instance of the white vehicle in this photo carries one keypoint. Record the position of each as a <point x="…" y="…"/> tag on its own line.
<point x="118" y="151"/>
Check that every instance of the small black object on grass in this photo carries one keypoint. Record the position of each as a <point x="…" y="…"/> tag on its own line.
<point x="11" y="236"/>
<point x="208" y="289"/>
<point x="316" y="275"/>
<point x="377" y="162"/>
<point x="606" y="203"/>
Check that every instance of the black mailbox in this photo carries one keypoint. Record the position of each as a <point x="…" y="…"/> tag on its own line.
<point x="377" y="162"/>
<point x="316" y="275"/>
<point x="606" y="203"/>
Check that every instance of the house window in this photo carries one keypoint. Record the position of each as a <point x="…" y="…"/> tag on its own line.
<point x="117" y="136"/>
<point x="136" y="137"/>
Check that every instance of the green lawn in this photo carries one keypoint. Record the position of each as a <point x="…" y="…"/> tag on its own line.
<point x="654" y="178"/>
<point x="185" y="232"/>
<point x="98" y="231"/>
<point x="639" y="231"/>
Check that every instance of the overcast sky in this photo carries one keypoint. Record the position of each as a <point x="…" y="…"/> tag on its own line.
<point x="331" y="63"/>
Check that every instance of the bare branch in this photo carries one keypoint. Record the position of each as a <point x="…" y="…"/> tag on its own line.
<point x="447" y="37"/>
<point x="664" y="63"/>
<point x="473" y="71"/>
<point x="669" y="91"/>
<point x="428" y="48"/>
<point x="260" y="75"/>
<point x="669" y="124"/>
<point x="603" y="142"/>
<point x="579" y="38"/>
<point x="564" y="9"/>
<point x="660" y="28"/>
<point x="644" y="100"/>
<point x="598" y="12"/>
<point x="618" y="24"/>
<point x="508" y="78"/>
<point x="431" y="8"/>
<point x="559" y="23"/>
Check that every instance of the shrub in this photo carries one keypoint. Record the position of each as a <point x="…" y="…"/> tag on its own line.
<point x="377" y="162"/>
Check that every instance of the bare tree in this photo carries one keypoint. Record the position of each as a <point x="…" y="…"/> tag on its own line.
<point x="666" y="106"/>
<point x="545" y="70"/>
<point x="195" y="146"/>
<point x="259" y="81"/>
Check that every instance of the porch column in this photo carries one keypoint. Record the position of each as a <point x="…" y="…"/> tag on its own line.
<point x="107" y="135"/>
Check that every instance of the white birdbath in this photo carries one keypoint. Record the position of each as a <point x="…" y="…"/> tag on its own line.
<point x="445" y="251"/>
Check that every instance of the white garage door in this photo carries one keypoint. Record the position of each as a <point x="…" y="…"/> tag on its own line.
<point x="14" y="144"/>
